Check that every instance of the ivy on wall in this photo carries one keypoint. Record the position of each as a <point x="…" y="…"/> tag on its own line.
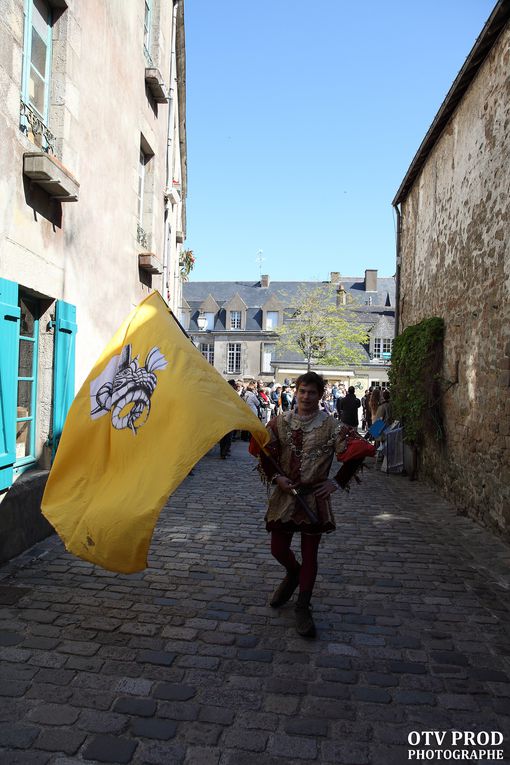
<point x="415" y="377"/>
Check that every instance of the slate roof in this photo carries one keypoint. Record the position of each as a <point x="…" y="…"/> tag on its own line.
<point x="255" y="297"/>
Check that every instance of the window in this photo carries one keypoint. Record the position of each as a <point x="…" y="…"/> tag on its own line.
<point x="36" y="70"/>
<point x="207" y="351"/>
<point x="234" y="358"/>
<point x="144" y="196"/>
<point x="210" y="316"/>
<point x="271" y="319"/>
<point x="22" y="411"/>
<point x="147" y="31"/>
<point x="382" y="347"/>
<point x="27" y="380"/>
<point x="268" y="350"/>
<point x="235" y="319"/>
<point x="142" y="161"/>
<point x="37" y="56"/>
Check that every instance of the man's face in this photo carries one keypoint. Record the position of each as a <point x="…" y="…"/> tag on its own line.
<point x="307" y="398"/>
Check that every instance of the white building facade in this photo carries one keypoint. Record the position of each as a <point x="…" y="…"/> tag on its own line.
<point x="233" y="324"/>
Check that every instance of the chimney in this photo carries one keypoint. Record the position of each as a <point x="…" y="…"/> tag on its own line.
<point x="335" y="277"/>
<point x="264" y="280"/>
<point x="370" y="280"/>
<point x="341" y="296"/>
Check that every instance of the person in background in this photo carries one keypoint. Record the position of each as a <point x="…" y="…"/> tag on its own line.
<point x="286" y="398"/>
<point x="264" y="403"/>
<point x="364" y="411"/>
<point x="226" y="441"/>
<point x="375" y="400"/>
<point x="277" y="401"/>
<point x="327" y="403"/>
<point x="384" y="408"/>
<point x="251" y="397"/>
<point x="347" y="408"/>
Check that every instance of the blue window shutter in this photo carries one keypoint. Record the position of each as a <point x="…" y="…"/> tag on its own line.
<point x="9" y="349"/>
<point x="63" y="368"/>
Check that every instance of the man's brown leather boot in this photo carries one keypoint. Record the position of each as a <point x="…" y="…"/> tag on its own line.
<point x="304" y="622"/>
<point x="284" y="591"/>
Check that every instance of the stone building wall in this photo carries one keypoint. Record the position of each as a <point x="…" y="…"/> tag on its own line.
<point x="455" y="263"/>
<point x="86" y="252"/>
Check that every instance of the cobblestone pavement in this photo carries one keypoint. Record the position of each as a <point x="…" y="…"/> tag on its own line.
<point x="185" y="662"/>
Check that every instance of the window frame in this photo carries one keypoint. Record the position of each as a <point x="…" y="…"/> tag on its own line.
<point x="211" y="320"/>
<point x="144" y="192"/>
<point x="236" y="318"/>
<point x="143" y="159"/>
<point x="147" y="30"/>
<point x="207" y="351"/>
<point x="276" y="316"/>
<point x="27" y="58"/>
<point x="267" y="369"/>
<point x="387" y="347"/>
<point x="234" y="353"/>
<point x="33" y="304"/>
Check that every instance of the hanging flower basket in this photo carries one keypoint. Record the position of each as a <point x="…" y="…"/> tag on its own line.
<point x="186" y="264"/>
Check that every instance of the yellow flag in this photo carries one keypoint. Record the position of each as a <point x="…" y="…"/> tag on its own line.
<point x="149" y="410"/>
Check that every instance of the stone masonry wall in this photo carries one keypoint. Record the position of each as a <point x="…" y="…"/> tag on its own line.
<point x="455" y="263"/>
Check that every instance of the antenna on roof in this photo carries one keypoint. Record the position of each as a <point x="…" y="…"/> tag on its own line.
<point x="260" y="260"/>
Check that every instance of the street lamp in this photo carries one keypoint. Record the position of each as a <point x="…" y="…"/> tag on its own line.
<point x="202" y="322"/>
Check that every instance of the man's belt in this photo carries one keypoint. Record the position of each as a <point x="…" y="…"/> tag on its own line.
<point x="306" y="488"/>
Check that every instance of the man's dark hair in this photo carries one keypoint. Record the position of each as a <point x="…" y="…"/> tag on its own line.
<point x="311" y="378"/>
<point x="351" y="389"/>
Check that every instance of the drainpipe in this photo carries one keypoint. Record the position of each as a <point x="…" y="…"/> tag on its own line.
<point x="397" y="272"/>
<point x="169" y="156"/>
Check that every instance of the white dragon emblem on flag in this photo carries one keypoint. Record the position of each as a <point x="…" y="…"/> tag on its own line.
<point x="124" y="388"/>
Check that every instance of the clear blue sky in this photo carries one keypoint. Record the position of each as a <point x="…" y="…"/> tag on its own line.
<point x="302" y="119"/>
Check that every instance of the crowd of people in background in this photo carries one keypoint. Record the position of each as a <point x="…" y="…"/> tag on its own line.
<point x="267" y="400"/>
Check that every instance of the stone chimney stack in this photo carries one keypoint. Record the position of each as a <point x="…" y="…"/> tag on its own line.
<point x="335" y="277"/>
<point x="264" y="280"/>
<point x="341" y="296"/>
<point x="370" y="280"/>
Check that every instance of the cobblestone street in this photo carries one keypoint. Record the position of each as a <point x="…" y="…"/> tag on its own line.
<point x="186" y="663"/>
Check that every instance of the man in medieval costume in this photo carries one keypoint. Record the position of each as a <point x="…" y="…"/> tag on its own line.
<point x="297" y="462"/>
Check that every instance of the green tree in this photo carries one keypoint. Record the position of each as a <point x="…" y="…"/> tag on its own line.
<point x="321" y="330"/>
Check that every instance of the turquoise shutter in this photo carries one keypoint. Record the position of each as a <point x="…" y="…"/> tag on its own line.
<point x="63" y="369"/>
<point x="9" y="348"/>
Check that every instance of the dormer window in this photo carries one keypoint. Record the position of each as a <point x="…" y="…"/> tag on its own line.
<point x="382" y="347"/>
<point x="235" y="319"/>
<point x="271" y="319"/>
<point x="235" y="313"/>
<point x="207" y="312"/>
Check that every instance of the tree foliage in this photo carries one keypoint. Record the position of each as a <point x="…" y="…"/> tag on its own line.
<point x="320" y="330"/>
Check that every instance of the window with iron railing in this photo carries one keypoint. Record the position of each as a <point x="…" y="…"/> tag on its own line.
<point x="36" y="74"/>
